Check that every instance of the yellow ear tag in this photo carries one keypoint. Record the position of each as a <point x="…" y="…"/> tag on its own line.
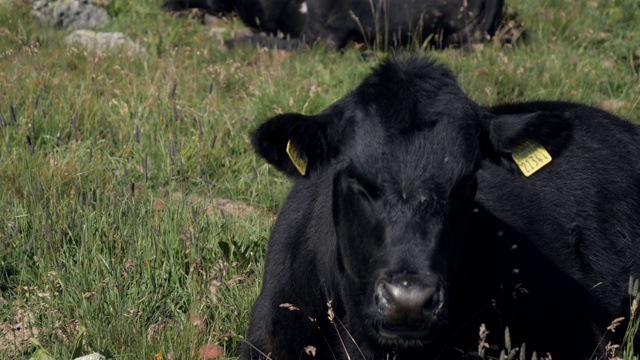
<point x="530" y="157"/>
<point x="298" y="159"/>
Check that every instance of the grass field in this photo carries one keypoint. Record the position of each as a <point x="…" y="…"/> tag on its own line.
<point x="133" y="213"/>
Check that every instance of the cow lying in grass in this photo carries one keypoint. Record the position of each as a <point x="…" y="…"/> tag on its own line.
<point x="409" y="224"/>
<point x="377" y="22"/>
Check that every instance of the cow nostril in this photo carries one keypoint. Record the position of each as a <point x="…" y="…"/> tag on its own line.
<point x="407" y="303"/>
<point x="431" y="301"/>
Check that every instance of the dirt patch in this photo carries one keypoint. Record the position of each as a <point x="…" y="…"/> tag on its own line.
<point x="212" y="206"/>
<point x="613" y="105"/>
<point x="233" y="207"/>
<point x="15" y="334"/>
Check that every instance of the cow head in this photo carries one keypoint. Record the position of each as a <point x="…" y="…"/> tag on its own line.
<point x="402" y="151"/>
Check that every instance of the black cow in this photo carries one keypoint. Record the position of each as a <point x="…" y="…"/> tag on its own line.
<point x="411" y="225"/>
<point x="211" y="6"/>
<point x="337" y="22"/>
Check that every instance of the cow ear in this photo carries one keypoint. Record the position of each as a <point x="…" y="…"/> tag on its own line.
<point x="296" y="144"/>
<point x="503" y="133"/>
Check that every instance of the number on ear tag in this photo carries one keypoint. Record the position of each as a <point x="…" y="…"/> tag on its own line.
<point x="298" y="159"/>
<point x="530" y="157"/>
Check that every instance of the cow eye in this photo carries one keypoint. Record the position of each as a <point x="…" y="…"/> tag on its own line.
<point x="362" y="186"/>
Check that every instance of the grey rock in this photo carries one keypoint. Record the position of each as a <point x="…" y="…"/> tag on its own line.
<point x="78" y="14"/>
<point x="104" y="41"/>
<point x="94" y="356"/>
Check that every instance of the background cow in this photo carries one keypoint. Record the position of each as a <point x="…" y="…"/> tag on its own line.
<point x="411" y="225"/>
<point x="376" y="22"/>
<point x="211" y="6"/>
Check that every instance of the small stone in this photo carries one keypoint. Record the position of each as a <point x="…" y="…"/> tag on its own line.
<point x="94" y="356"/>
<point x="77" y="14"/>
<point x="215" y="21"/>
<point x="104" y="41"/>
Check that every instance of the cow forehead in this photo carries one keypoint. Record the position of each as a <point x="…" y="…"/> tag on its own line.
<point x="442" y="153"/>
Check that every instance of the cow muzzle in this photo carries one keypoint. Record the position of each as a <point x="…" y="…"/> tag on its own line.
<point x="407" y="305"/>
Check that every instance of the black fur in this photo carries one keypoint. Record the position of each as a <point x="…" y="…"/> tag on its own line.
<point x="390" y="192"/>
<point x="578" y="214"/>
<point x="212" y="6"/>
<point x="337" y="22"/>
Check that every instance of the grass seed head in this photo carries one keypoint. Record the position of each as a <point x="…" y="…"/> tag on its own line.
<point x="614" y="324"/>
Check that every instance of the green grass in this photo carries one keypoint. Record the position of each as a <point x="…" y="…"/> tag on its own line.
<point x="112" y="167"/>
